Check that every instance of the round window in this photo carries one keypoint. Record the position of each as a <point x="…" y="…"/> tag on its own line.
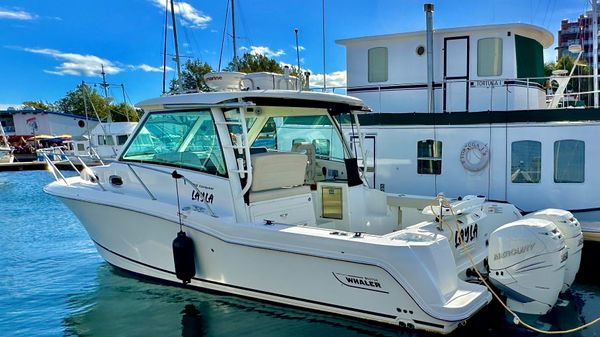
<point x="81" y="123"/>
<point x="420" y="50"/>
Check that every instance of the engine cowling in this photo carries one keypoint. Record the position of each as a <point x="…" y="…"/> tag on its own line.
<point x="527" y="261"/>
<point x="571" y="230"/>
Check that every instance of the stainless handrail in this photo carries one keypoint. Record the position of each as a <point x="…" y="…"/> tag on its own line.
<point x="212" y="213"/>
<point x="141" y="182"/>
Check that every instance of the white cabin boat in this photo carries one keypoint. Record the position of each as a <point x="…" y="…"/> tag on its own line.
<point x="106" y="140"/>
<point x="264" y="197"/>
<point x="492" y="131"/>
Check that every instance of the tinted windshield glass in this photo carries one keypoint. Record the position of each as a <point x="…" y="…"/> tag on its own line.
<point x="295" y="133"/>
<point x="183" y="139"/>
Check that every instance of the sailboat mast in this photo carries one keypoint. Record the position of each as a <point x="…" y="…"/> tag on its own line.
<point x="177" y="62"/>
<point x="105" y="86"/>
<point x="235" y="61"/>
<point x="104" y="83"/>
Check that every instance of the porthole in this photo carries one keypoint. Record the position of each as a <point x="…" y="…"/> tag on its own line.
<point x="420" y="50"/>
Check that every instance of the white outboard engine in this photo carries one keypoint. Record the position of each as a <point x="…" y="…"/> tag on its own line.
<point x="527" y="261"/>
<point x="571" y="230"/>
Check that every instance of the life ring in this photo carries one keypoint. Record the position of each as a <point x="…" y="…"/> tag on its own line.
<point x="474" y="156"/>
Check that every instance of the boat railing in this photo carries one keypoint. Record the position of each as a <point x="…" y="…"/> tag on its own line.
<point x="560" y="90"/>
<point x="58" y="175"/>
<point x="153" y="169"/>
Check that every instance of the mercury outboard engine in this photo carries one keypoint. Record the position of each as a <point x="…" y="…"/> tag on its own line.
<point x="527" y="261"/>
<point x="571" y="230"/>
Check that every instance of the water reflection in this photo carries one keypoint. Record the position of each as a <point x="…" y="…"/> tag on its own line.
<point x="123" y="305"/>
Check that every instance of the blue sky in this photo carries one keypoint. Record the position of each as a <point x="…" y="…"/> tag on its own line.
<point x="48" y="47"/>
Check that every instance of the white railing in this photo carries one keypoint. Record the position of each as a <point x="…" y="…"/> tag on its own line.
<point x="92" y="177"/>
<point x="559" y="92"/>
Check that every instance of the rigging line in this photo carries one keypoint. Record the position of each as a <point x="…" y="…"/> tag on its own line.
<point x="224" y="32"/>
<point x="546" y="12"/>
<point x="241" y="18"/>
<point x="552" y="11"/>
<point x="537" y="6"/>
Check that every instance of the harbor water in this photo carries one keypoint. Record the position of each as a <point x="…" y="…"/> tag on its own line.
<point x="54" y="283"/>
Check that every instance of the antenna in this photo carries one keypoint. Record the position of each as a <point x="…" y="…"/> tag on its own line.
<point x="179" y="86"/>
<point x="235" y="63"/>
<point x="324" y="72"/>
<point x="223" y="36"/>
<point x="164" y="77"/>
<point x="297" y="50"/>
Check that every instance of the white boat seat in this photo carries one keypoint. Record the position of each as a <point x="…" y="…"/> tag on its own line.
<point x="278" y="193"/>
<point x="277" y="175"/>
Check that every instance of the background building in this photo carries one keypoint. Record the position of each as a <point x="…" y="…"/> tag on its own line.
<point x="577" y="32"/>
<point x="27" y="122"/>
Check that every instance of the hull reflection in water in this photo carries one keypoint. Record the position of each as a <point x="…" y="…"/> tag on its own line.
<point x="125" y="304"/>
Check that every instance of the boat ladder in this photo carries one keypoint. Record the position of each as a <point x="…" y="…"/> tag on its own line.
<point x="238" y="129"/>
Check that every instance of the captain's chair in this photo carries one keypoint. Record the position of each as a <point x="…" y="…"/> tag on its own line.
<point x="277" y="175"/>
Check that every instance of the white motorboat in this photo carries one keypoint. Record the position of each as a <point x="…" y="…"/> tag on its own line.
<point x="256" y="193"/>
<point x="105" y="141"/>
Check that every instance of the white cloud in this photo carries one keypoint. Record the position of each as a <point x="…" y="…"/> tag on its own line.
<point x="16" y="15"/>
<point x="301" y="48"/>
<point x="77" y="64"/>
<point x="5" y="106"/>
<point x="147" y="68"/>
<point x="334" y="79"/>
<point x="263" y="50"/>
<point x="87" y="65"/>
<point x="189" y="16"/>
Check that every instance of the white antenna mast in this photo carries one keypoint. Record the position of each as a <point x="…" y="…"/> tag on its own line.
<point x="324" y="72"/>
<point x="177" y="62"/>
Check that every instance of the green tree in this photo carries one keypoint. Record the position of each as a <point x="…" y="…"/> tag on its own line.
<point x="38" y="105"/>
<point x="192" y="76"/>
<point x="123" y="112"/>
<point x="250" y="63"/>
<point x="75" y="102"/>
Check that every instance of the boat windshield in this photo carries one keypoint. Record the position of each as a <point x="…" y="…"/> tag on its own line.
<point x="182" y="139"/>
<point x="295" y="133"/>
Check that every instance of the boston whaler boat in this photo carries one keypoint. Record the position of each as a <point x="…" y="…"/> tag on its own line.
<point x="264" y="199"/>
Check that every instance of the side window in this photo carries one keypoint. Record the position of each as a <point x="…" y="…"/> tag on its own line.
<point x="80" y="147"/>
<point x="489" y="57"/>
<point x="378" y="64"/>
<point x="101" y="140"/>
<point x="121" y="139"/>
<point x="429" y="157"/>
<point x="526" y="161"/>
<point x="569" y="161"/>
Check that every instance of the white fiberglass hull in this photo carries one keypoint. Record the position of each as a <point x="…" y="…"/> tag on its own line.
<point x="141" y="243"/>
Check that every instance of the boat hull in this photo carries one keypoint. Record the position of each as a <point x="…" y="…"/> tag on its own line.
<point x="141" y="243"/>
